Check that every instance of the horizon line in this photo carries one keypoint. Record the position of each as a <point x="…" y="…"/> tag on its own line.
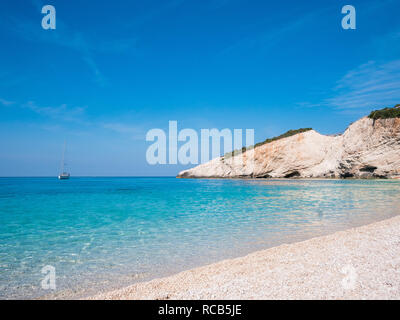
<point x="99" y="176"/>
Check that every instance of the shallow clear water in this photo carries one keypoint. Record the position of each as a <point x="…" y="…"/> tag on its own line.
<point x="103" y="233"/>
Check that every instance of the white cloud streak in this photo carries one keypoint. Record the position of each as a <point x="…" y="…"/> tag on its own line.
<point x="77" y="115"/>
<point x="62" y="112"/>
<point x="371" y="85"/>
<point x="65" y="36"/>
<point x="6" y="103"/>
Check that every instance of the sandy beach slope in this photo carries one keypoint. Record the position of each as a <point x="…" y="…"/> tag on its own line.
<point x="359" y="263"/>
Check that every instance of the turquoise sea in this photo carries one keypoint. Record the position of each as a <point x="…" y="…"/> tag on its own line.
<point x="104" y="233"/>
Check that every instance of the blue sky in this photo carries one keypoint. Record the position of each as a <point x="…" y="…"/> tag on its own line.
<point x="112" y="70"/>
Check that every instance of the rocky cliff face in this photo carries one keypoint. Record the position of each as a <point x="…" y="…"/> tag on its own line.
<point x="367" y="149"/>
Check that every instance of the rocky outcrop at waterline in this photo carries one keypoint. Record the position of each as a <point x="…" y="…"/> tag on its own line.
<point x="369" y="148"/>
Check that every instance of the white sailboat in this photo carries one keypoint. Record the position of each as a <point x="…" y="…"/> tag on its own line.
<point x="63" y="175"/>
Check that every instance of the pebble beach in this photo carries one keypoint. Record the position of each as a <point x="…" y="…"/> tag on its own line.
<point x="358" y="263"/>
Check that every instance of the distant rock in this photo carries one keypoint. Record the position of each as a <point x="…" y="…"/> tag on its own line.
<point x="369" y="148"/>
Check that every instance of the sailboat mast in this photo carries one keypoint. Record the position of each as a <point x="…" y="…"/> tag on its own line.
<point x="63" y="155"/>
<point x="63" y="175"/>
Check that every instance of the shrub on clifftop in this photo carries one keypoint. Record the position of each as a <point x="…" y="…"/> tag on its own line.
<point x="386" y="113"/>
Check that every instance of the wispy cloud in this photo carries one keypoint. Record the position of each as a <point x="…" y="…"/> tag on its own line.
<point x="369" y="86"/>
<point x="62" y="112"/>
<point x="64" y="36"/>
<point x="270" y="37"/>
<point x="6" y="103"/>
<point x="374" y="84"/>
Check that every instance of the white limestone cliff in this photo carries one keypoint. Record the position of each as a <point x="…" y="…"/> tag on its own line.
<point x="367" y="149"/>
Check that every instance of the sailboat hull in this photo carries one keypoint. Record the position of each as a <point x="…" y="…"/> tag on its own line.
<point x="63" y="176"/>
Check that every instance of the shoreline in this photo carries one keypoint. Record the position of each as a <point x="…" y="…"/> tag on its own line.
<point x="395" y="178"/>
<point x="357" y="263"/>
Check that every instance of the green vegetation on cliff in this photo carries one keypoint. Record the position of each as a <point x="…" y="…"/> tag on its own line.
<point x="386" y="113"/>
<point x="285" y="135"/>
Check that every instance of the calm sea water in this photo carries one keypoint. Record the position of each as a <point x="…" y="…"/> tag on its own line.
<point x="104" y="233"/>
